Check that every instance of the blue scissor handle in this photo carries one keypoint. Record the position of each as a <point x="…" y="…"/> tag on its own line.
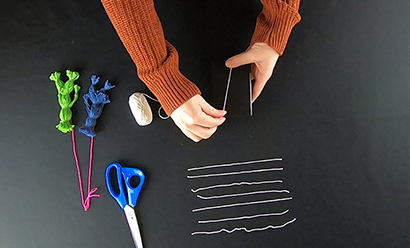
<point x="124" y="173"/>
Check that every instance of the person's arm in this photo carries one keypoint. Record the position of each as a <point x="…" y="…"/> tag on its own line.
<point x="140" y="30"/>
<point x="275" y="23"/>
<point x="273" y="27"/>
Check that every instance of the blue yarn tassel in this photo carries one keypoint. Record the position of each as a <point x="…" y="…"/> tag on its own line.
<point x="98" y="99"/>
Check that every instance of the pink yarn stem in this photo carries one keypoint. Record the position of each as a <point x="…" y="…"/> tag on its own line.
<point x="90" y="193"/>
<point x="80" y="181"/>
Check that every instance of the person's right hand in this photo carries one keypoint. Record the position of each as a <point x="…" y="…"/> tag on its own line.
<point x="197" y="119"/>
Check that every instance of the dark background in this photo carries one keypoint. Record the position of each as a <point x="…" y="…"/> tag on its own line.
<point x="336" y="110"/>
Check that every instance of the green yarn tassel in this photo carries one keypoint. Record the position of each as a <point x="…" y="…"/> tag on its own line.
<point x="64" y="98"/>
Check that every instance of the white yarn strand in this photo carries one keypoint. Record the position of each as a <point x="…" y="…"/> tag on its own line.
<point x="159" y="114"/>
<point x="227" y="88"/>
<point x="242" y="194"/>
<point x="235" y="184"/>
<point x="242" y="217"/>
<point x="235" y="173"/>
<point x="234" y="164"/>
<point x="150" y="97"/>
<point x="244" y="229"/>
<point x="159" y="110"/>
<point x="241" y="204"/>
<point x="250" y="92"/>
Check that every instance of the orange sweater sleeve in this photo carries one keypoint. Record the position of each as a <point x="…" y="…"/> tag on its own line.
<point x="275" y="23"/>
<point x="140" y="30"/>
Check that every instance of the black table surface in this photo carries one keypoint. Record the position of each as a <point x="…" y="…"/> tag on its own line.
<point x="337" y="110"/>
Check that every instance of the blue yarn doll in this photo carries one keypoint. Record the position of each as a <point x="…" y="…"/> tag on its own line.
<point x="98" y="99"/>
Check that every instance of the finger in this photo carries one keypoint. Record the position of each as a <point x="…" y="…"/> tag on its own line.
<point x="191" y="135"/>
<point x="244" y="58"/>
<point x="210" y="117"/>
<point x="183" y="127"/>
<point x="193" y="130"/>
<point x="211" y="111"/>
<point x="257" y="88"/>
<point x="205" y="120"/>
<point x="202" y="132"/>
<point x="253" y="71"/>
<point x="201" y="118"/>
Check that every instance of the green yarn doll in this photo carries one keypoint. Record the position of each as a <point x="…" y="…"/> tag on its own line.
<point x="64" y="98"/>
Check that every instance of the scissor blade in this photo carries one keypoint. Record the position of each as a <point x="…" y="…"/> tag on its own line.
<point x="133" y="224"/>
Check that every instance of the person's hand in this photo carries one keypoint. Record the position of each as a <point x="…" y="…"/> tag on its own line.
<point x="263" y="59"/>
<point x="197" y="119"/>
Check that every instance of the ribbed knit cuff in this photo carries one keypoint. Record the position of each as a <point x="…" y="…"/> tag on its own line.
<point x="167" y="83"/>
<point x="275" y="24"/>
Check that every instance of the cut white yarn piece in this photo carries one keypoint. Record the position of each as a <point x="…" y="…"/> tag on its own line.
<point x="141" y="110"/>
<point x="242" y="194"/>
<point x="227" y="88"/>
<point x="244" y="229"/>
<point x="235" y="184"/>
<point x="235" y="173"/>
<point x="246" y="217"/>
<point x="241" y="204"/>
<point x="234" y="164"/>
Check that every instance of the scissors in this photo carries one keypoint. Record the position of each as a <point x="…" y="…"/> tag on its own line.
<point x="127" y="200"/>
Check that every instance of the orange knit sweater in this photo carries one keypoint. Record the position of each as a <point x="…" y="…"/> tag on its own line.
<point x="140" y="30"/>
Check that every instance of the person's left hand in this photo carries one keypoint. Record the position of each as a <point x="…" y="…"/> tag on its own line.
<point x="263" y="59"/>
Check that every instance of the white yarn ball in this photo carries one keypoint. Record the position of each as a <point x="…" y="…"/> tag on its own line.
<point x="140" y="109"/>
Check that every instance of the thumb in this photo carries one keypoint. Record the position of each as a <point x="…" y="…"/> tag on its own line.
<point x="260" y="83"/>
<point x="211" y="111"/>
<point x="244" y="58"/>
